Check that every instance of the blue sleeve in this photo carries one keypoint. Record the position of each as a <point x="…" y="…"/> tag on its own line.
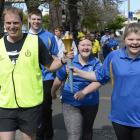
<point x="54" y="46"/>
<point x="50" y="42"/>
<point x="97" y="64"/>
<point x="61" y="73"/>
<point x="103" y="73"/>
<point x="112" y="43"/>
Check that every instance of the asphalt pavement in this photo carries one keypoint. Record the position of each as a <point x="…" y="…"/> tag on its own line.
<point x="102" y="129"/>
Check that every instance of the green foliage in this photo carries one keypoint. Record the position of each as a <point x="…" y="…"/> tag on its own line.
<point x="45" y="23"/>
<point x="25" y="19"/>
<point x="94" y="14"/>
<point x="117" y="23"/>
<point x="56" y="2"/>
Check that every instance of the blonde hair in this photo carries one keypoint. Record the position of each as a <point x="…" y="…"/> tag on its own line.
<point x="131" y="28"/>
<point x="13" y="10"/>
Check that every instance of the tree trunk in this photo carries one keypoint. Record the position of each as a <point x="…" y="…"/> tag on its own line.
<point x="32" y="4"/>
<point x="73" y="15"/>
<point x="55" y="14"/>
<point x="1" y="23"/>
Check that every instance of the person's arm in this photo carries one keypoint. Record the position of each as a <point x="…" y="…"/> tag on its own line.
<point x="56" y="85"/>
<point x="84" y="74"/>
<point x="50" y="63"/>
<point x="58" y="63"/>
<point x="87" y="90"/>
<point x="61" y="76"/>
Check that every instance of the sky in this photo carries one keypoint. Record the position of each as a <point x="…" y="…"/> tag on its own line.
<point x="134" y="6"/>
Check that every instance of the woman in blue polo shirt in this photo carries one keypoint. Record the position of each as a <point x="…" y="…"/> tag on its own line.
<point x="79" y="115"/>
<point x="123" y="67"/>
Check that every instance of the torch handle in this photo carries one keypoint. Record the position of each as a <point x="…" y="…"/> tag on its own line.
<point x="69" y="62"/>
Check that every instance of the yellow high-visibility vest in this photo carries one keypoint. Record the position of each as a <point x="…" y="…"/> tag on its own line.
<point x="21" y="83"/>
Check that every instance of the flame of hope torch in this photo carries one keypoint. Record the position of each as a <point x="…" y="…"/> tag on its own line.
<point x="67" y="40"/>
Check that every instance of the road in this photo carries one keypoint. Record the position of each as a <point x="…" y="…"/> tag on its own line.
<point x="102" y="129"/>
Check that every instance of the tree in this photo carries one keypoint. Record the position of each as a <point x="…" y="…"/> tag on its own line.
<point x="98" y="13"/>
<point x="73" y="15"/>
<point x="46" y="21"/>
<point x="1" y="23"/>
<point x="32" y="4"/>
<point x="55" y="14"/>
<point x="117" y="23"/>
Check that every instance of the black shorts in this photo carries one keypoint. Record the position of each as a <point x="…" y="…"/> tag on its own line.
<point x="26" y="120"/>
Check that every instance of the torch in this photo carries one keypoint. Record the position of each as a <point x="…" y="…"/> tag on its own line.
<point x="67" y="40"/>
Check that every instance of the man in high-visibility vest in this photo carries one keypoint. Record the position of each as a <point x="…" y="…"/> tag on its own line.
<point x="21" y="89"/>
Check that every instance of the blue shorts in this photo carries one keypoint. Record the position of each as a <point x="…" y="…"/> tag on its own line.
<point x="26" y="120"/>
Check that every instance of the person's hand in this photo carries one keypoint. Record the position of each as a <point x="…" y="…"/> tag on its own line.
<point x="75" y="70"/>
<point x="79" y="95"/>
<point x="70" y="54"/>
<point x="66" y="55"/>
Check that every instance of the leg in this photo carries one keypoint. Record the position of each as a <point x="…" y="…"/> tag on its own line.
<point x="136" y="134"/>
<point x="8" y="124"/>
<point x="45" y="130"/>
<point x="28" y="137"/>
<point x="73" y="121"/>
<point x="89" y="114"/>
<point x="28" y="121"/>
<point x="7" y="135"/>
<point x="122" y="132"/>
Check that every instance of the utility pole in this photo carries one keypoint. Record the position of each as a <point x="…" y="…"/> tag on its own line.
<point x="128" y="11"/>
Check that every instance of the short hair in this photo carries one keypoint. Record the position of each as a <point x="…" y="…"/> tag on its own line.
<point x="87" y="36"/>
<point x="13" y="10"/>
<point x="131" y="28"/>
<point x="35" y="11"/>
<point x="59" y="28"/>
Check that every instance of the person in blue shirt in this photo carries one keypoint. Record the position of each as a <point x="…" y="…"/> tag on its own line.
<point x="111" y="43"/>
<point x="103" y="40"/>
<point x="79" y="115"/>
<point x="123" y="68"/>
<point x="45" y="130"/>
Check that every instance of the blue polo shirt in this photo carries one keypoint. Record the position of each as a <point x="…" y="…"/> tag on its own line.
<point x="112" y="43"/>
<point x="125" y="100"/>
<point x="79" y="83"/>
<point x="50" y="42"/>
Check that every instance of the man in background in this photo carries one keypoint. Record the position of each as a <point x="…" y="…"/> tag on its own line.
<point x="45" y="130"/>
<point x="58" y="36"/>
<point x="103" y="41"/>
